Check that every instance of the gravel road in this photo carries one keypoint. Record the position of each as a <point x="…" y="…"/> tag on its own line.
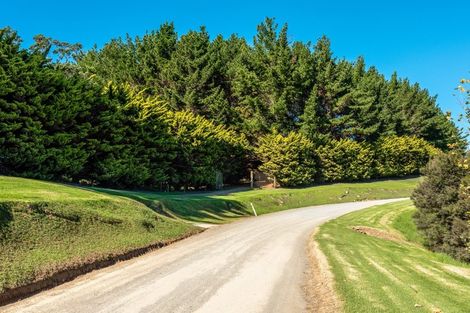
<point x="255" y="264"/>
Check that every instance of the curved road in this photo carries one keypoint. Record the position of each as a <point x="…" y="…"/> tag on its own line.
<point x="252" y="265"/>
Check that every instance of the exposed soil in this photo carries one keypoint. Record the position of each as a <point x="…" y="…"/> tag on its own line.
<point x="378" y="233"/>
<point x="319" y="287"/>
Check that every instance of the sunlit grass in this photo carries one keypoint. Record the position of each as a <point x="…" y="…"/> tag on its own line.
<point x="46" y="227"/>
<point x="221" y="209"/>
<point x="379" y="275"/>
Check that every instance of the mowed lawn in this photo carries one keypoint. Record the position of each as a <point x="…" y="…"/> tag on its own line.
<point x="47" y="227"/>
<point x="210" y="208"/>
<point x="395" y="274"/>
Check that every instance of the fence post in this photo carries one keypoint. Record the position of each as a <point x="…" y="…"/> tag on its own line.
<point x="253" y="208"/>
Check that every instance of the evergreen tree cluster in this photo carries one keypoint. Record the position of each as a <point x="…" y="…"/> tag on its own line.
<point x="171" y="112"/>
<point x="272" y="84"/>
<point x="58" y="124"/>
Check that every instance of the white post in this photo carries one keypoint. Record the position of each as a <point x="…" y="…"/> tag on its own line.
<point x="253" y="207"/>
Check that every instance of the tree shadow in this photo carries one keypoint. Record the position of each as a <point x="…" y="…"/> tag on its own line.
<point x="5" y="218"/>
<point x="205" y="208"/>
<point x="187" y="206"/>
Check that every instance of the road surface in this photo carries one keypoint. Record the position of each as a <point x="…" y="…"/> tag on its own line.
<point x="252" y="265"/>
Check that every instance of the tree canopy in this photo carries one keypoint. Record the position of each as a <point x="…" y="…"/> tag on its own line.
<point x="272" y="84"/>
<point x="173" y="111"/>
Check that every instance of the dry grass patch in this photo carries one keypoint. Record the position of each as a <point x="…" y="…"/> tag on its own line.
<point x="370" y="231"/>
<point x="321" y="294"/>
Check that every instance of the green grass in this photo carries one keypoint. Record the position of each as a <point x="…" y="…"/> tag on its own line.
<point x="186" y="206"/>
<point x="222" y="209"/>
<point x="22" y="189"/>
<point x="46" y="227"/>
<point x="378" y="275"/>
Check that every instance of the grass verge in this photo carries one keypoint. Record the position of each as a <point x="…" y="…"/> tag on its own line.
<point x="46" y="228"/>
<point x="219" y="209"/>
<point x="396" y="274"/>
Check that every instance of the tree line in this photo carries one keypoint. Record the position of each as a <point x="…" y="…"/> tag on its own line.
<point x="169" y="112"/>
<point x="271" y="84"/>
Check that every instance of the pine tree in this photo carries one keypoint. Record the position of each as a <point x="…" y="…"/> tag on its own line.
<point x="21" y="134"/>
<point x="362" y="120"/>
<point x="324" y="67"/>
<point x="153" y="53"/>
<point x="247" y="93"/>
<point x="310" y="121"/>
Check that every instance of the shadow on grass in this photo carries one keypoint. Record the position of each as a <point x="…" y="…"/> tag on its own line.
<point x="5" y="218"/>
<point x="194" y="208"/>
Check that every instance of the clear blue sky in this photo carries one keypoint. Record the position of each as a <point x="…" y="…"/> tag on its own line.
<point x="426" y="41"/>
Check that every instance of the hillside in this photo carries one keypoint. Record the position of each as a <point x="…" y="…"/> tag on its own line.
<point x="46" y="228"/>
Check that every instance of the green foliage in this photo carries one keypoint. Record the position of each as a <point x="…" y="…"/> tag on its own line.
<point x="345" y="160"/>
<point x="139" y="61"/>
<point x="168" y="111"/>
<point x="443" y="202"/>
<point x="44" y="114"/>
<point x="272" y="83"/>
<point x="203" y="148"/>
<point x="287" y="159"/>
<point x="390" y="156"/>
<point x="56" y="124"/>
<point x="362" y="120"/>
<point x="401" y="156"/>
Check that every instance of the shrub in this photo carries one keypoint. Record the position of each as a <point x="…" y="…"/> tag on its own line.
<point x="290" y="159"/>
<point x="204" y="148"/>
<point x="345" y="159"/>
<point x="443" y="202"/>
<point x="401" y="156"/>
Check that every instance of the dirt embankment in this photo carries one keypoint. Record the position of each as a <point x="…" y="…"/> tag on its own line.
<point x="378" y="233"/>
<point x="319" y="288"/>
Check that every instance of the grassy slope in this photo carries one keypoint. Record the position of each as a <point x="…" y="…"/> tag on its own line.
<point x="45" y="227"/>
<point x="221" y="209"/>
<point x="377" y="275"/>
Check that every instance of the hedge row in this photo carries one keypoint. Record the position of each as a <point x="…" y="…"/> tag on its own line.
<point x="293" y="160"/>
<point x="126" y="140"/>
